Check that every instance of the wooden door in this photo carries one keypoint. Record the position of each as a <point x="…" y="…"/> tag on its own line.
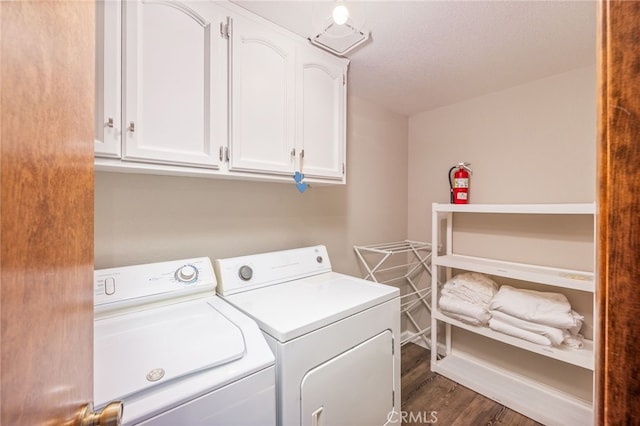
<point x="618" y="381"/>
<point x="173" y="62"/>
<point x="46" y="214"/>
<point x="262" y="98"/>
<point x="322" y="106"/>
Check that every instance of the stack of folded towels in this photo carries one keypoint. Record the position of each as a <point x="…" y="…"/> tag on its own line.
<point x="466" y="297"/>
<point x="539" y="317"/>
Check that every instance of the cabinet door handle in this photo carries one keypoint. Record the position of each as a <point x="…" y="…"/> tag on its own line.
<point x="132" y="127"/>
<point x="317" y="419"/>
<point x="109" y="123"/>
<point x="293" y="152"/>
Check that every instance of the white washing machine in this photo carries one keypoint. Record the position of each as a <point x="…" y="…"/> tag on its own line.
<point x="175" y="352"/>
<point x="336" y="337"/>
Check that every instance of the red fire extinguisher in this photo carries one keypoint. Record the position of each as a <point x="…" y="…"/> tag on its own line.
<point x="459" y="185"/>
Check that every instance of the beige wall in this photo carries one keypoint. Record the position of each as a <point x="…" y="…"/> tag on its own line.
<point x="146" y="218"/>
<point x="534" y="143"/>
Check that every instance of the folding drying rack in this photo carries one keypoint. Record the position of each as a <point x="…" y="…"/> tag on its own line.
<point x="406" y="260"/>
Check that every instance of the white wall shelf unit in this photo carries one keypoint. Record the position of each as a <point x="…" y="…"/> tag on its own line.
<point x="566" y="278"/>
<point x="572" y="208"/>
<point x="405" y="262"/>
<point x="510" y="381"/>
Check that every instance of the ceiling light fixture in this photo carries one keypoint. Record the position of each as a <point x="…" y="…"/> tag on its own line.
<point x="340" y="14"/>
<point x="339" y="30"/>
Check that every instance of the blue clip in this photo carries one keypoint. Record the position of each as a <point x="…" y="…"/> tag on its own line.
<point x="302" y="186"/>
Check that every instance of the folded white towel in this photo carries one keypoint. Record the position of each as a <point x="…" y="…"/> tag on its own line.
<point x="463" y="318"/>
<point x="578" y="320"/>
<point x="472" y="287"/>
<point x="555" y="335"/>
<point x="552" y="309"/>
<point x="465" y="294"/>
<point x="458" y="306"/>
<point x="502" y="327"/>
<point x="575" y="341"/>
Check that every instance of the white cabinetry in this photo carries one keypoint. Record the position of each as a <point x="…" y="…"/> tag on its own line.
<point x="288" y="103"/>
<point x="108" y="82"/>
<point x="173" y="65"/>
<point x="553" y="385"/>
<point x="173" y="91"/>
<point x="262" y="98"/>
<point x="321" y="123"/>
<point x="214" y="90"/>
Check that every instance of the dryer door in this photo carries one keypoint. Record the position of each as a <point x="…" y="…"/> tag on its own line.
<point x="354" y="388"/>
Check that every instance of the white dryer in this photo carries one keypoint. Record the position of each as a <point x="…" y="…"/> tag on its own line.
<point x="336" y="337"/>
<point x="175" y="352"/>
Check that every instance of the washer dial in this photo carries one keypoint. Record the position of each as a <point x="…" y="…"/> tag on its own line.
<point x="187" y="274"/>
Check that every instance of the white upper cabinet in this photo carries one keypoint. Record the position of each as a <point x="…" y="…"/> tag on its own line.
<point x="108" y="128"/>
<point x="171" y="82"/>
<point x="288" y="103"/>
<point x="201" y="88"/>
<point x="262" y="70"/>
<point x="321" y="122"/>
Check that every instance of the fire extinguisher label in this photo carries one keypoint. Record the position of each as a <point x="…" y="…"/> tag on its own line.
<point x="461" y="195"/>
<point x="461" y="183"/>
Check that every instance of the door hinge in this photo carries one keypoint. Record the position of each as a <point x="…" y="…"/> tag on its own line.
<point x="225" y="29"/>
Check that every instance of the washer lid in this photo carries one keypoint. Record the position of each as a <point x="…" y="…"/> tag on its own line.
<point x="136" y="351"/>
<point x="291" y="309"/>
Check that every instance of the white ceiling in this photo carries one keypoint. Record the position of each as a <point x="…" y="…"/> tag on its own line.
<point x="426" y="54"/>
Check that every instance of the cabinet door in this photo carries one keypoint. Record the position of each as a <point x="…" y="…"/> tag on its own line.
<point x="173" y="59"/>
<point x="108" y="110"/>
<point x="321" y="130"/>
<point x="262" y="98"/>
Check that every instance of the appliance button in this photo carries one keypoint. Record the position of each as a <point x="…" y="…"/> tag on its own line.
<point x="109" y="286"/>
<point x="319" y="259"/>
<point x="245" y="273"/>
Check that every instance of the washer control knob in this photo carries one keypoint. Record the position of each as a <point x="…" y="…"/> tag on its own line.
<point x="245" y="273"/>
<point x="187" y="274"/>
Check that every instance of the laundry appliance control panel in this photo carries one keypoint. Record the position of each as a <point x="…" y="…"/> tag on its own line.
<point x="245" y="273"/>
<point x="132" y="285"/>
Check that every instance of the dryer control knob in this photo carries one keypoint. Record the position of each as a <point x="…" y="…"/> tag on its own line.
<point x="187" y="273"/>
<point x="245" y="273"/>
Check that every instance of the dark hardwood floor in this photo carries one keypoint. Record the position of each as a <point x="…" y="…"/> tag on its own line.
<point x="430" y="397"/>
